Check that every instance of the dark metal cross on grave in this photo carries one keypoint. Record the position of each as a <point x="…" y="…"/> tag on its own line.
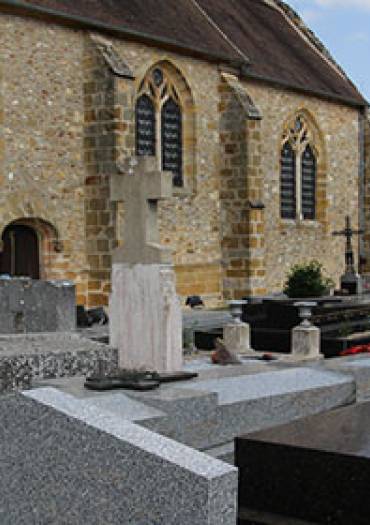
<point x="348" y="233"/>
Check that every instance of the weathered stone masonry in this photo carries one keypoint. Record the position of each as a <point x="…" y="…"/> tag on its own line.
<point x="42" y="169"/>
<point x="366" y="242"/>
<point x="67" y="119"/>
<point x="108" y="131"/>
<point x="109" y="138"/>
<point x="241" y="192"/>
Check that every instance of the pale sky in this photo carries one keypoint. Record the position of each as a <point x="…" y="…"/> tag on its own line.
<point x="344" y="27"/>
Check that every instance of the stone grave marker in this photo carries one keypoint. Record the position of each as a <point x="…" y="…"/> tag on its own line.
<point x="145" y="313"/>
<point x="315" y="469"/>
<point x="350" y="281"/>
<point x="29" y="305"/>
<point x="65" y="462"/>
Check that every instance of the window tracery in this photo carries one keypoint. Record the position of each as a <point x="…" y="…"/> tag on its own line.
<point x="298" y="172"/>
<point x="159" y="122"/>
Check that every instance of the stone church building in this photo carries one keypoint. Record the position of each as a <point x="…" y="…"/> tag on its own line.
<point x="263" y="132"/>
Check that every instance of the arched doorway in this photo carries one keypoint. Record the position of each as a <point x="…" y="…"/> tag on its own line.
<point x="20" y="255"/>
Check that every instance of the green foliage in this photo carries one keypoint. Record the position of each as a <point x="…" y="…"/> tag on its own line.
<point x="307" y="280"/>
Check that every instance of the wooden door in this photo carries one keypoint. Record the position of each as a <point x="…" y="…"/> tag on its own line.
<point x="20" y="255"/>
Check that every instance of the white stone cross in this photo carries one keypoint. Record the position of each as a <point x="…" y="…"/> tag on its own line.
<point x="140" y="187"/>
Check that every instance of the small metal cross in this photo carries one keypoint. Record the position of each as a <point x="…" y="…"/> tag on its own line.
<point x="348" y="233"/>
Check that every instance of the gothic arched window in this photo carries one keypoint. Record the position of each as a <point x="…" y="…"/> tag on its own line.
<point x="287" y="182"/>
<point x="308" y="173"/>
<point x="159" y="123"/>
<point x="145" y="126"/>
<point x="172" y="140"/>
<point x="298" y="173"/>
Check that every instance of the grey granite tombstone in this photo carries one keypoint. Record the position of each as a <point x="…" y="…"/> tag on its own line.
<point x="65" y="463"/>
<point x="316" y="469"/>
<point x="28" y="305"/>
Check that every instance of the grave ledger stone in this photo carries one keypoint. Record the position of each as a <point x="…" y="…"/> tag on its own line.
<point x="145" y="312"/>
<point x="315" y="469"/>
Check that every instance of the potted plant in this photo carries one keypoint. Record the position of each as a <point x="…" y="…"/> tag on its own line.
<point x="307" y="280"/>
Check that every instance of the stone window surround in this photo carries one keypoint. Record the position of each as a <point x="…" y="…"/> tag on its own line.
<point x="176" y="80"/>
<point x="315" y="139"/>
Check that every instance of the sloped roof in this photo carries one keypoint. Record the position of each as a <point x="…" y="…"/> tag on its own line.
<point x="231" y="30"/>
<point x="276" y="48"/>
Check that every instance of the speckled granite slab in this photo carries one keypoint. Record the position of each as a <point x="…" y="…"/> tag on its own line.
<point x="232" y="390"/>
<point x="65" y="462"/>
<point x="28" y="357"/>
<point x="253" y="402"/>
<point x="210" y="413"/>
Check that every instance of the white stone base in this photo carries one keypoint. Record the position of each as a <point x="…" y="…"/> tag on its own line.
<point x="145" y="317"/>
<point x="306" y="342"/>
<point x="237" y="338"/>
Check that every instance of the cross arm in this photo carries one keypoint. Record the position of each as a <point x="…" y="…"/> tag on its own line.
<point x="158" y="185"/>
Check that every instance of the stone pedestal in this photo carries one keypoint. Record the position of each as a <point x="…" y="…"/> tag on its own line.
<point x="351" y="283"/>
<point x="306" y="342"/>
<point x="237" y="338"/>
<point x="145" y="317"/>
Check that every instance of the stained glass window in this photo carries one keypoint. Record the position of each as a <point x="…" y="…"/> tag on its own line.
<point x="298" y="172"/>
<point x="172" y="140"/>
<point x="308" y="174"/>
<point x="145" y="127"/>
<point x="288" y="182"/>
<point x="159" y="123"/>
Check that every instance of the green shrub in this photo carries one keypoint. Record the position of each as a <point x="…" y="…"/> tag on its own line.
<point x="307" y="280"/>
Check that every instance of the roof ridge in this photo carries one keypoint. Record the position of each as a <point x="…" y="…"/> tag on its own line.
<point x="300" y="25"/>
